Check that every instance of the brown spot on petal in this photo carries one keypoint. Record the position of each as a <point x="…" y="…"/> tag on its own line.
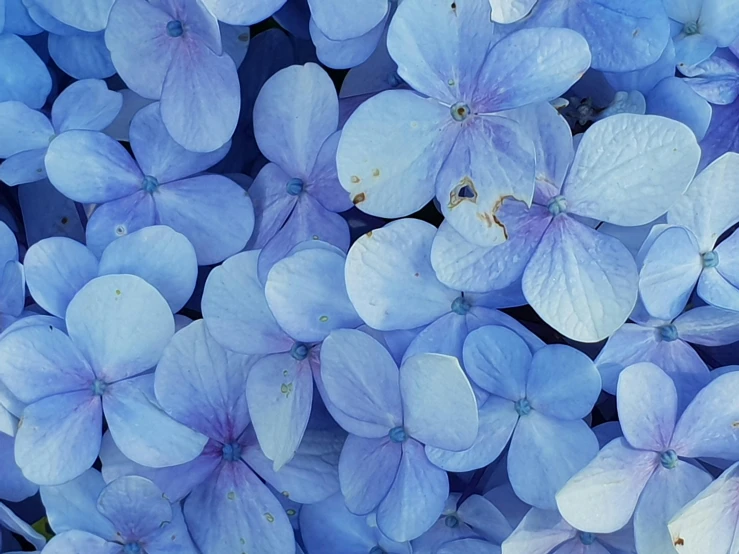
<point x="359" y="198"/>
<point x="679" y="542"/>
<point x="354" y="179"/>
<point x="454" y="8"/>
<point x="735" y="425"/>
<point x="461" y="193"/>
<point x="369" y="234"/>
<point x="375" y="172"/>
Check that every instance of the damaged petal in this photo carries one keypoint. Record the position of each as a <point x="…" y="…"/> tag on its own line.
<point x="465" y="190"/>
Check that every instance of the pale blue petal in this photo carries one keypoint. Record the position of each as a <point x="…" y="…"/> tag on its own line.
<point x="644" y="80"/>
<point x="23" y="129"/>
<point x="675" y="99"/>
<point x="344" y="54"/>
<point x="116" y="219"/>
<point x="510" y="11"/>
<point x="92" y="16"/>
<point x="23" y="76"/>
<point x="539" y="532"/>
<point x="342" y="19"/>
<point x="720" y="20"/>
<point x="236" y="12"/>
<point x="469" y="546"/>
<point x="693" y="49"/>
<point x="80" y="541"/>
<point x="12" y="289"/>
<point x="14" y="487"/>
<point x="367" y="470"/>
<point x="83" y="56"/>
<point x="24" y="167"/>
<point x="717" y="291"/>
<point x="708" y="326"/>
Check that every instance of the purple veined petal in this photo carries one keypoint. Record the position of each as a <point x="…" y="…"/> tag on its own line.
<point x="73" y="506"/>
<point x="309" y="221"/>
<point x="202" y="385"/>
<point x="340" y="20"/>
<point x="669" y="273"/>
<point x="708" y="208"/>
<point x="118" y="218"/>
<point x="235" y="12"/>
<point x="651" y="161"/>
<point x="323" y="182"/>
<point x="135" y="506"/>
<point x="294" y="114"/>
<point x="390" y="279"/>
<point x="498" y="360"/>
<point x="571" y="256"/>
<point x="121" y="324"/>
<point x="440" y="46"/>
<point x="213" y="212"/>
<point x="497" y="420"/>
<point x="667" y="491"/>
<point x="345" y="54"/>
<point x="312" y="475"/>
<point x="439" y="406"/>
<point x="391" y="150"/>
<point x="23" y="167"/>
<point x="491" y="161"/>
<point x="192" y="118"/>
<point x="23" y="129"/>
<point x="232" y="506"/>
<point x="80" y="541"/>
<point x="647" y="406"/>
<point x="371" y="396"/>
<point x="159" y="155"/>
<point x="416" y="498"/>
<point x="12" y="289"/>
<point x="675" y="99"/>
<point x="545" y="453"/>
<point x="23" y="76"/>
<point x="235" y="308"/>
<point x="66" y="428"/>
<point x="539" y="532"/>
<point x="307" y="295"/>
<point x="626" y="37"/>
<point x="82" y="56"/>
<point x="162" y="257"/>
<point x="529" y="66"/>
<point x="272" y="203"/>
<point x="717" y="291"/>
<point x="367" y="470"/>
<point x="40" y="361"/>
<point x="143" y="431"/>
<point x="602" y="496"/>
<point x="90" y="167"/>
<point x="707" y="427"/>
<point x="93" y="16"/>
<point x="708" y="326"/>
<point x="176" y="481"/>
<point x="14" y="487"/>
<point x="86" y="105"/>
<point x="140" y="47"/>
<point x="709" y="520"/>
<point x="562" y="383"/>
<point x="279" y="392"/>
<point x="56" y="269"/>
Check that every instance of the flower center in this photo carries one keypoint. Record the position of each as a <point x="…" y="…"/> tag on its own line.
<point x="398" y="434"/>
<point x="710" y="259"/>
<point x="557" y="205"/>
<point x="668" y="459"/>
<point x="98" y="387"/>
<point x="174" y="28"/>
<point x="691" y="28"/>
<point x="294" y="187"/>
<point x="460" y="111"/>
<point x="668" y="332"/>
<point x="231" y="452"/>
<point x="132" y="548"/>
<point x="150" y="184"/>
<point x="299" y="351"/>
<point x="522" y="407"/>
<point x="461" y="306"/>
<point x="587" y="538"/>
<point x="451" y="521"/>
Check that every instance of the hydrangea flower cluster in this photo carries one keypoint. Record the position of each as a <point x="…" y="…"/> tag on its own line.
<point x="369" y="276"/>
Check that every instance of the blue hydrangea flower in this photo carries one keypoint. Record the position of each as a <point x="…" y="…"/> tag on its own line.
<point x="117" y="327"/>
<point x="202" y="385"/>
<point x="649" y="472"/>
<point x="172" y="51"/>
<point x="551" y="533"/>
<point x="57" y="267"/>
<point x="164" y="185"/>
<point x="296" y="195"/>
<point x="128" y="516"/>
<point x="303" y="300"/>
<point x="708" y="523"/>
<point x="399" y="148"/>
<point x="27" y="134"/>
<point x="23" y="76"/>
<point x="391" y="414"/>
<point x="535" y="402"/>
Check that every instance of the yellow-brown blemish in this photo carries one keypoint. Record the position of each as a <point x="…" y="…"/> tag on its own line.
<point x="375" y="172"/>
<point x="117" y="292"/>
<point x="455" y="199"/>
<point x="369" y="234"/>
<point x="359" y="198"/>
<point x="354" y="179"/>
<point x="269" y="517"/>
